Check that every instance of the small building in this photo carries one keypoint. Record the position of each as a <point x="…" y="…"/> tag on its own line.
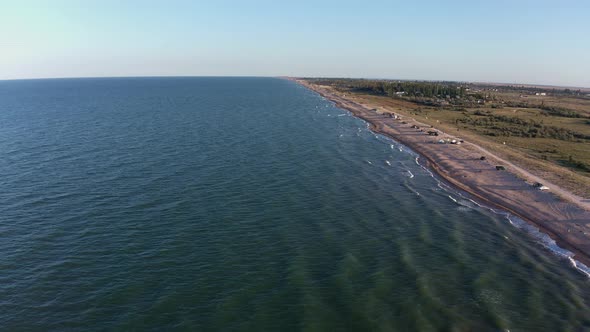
<point x="433" y="133"/>
<point x="500" y="168"/>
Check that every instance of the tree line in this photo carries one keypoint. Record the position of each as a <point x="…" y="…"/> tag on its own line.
<point x="396" y="88"/>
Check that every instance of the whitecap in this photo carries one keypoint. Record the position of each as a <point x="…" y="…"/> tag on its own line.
<point x="548" y="243"/>
<point x="413" y="190"/>
<point x="463" y="208"/>
<point x="580" y="266"/>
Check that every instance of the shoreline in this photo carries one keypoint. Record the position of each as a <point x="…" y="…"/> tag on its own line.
<point x="565" y="222"/>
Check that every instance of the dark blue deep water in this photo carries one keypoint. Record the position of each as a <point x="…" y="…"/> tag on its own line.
<point x="249" y="204"/>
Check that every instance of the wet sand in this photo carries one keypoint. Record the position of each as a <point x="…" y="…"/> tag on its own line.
<point x="565" y="218"/>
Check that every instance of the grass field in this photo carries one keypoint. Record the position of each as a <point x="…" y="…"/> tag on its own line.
<point x="573" y="153"/>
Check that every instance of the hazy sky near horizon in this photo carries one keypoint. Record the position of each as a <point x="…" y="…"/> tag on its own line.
<point x="518" y="41"/>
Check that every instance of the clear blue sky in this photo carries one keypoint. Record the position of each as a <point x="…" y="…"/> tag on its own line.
<point x="546" y="42"/>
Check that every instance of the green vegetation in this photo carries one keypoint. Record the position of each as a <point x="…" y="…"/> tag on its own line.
<point x="502" y="125"/>
<point x="564" y="141"/>
<point x="448" y="94"/>
<point x="535" y="89"/>
<point x="398" y="88"/>
<point x="578" y="164"/>
<point x="560" y="111"/>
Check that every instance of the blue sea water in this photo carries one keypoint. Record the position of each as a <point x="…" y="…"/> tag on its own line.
<point x="248" y="204"/>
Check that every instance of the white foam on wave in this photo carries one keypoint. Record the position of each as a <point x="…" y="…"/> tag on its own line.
<point x="410" y="174"/>
<point x="464" y="208"/>
<point x="341" y="114"/>
<point x="464" y="204"/>
<point x="580" y="267"/>
<point x="453" y="199"/>
<point x="531" y="230"/>
<point x="414" y="191"/>
<point x="548" y="243"/>
<point x="543" y="238"/>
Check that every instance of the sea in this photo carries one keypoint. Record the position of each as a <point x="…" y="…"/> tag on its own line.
<point x="248" y="204"/>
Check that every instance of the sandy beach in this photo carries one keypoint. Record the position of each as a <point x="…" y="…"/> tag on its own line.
<point x="557" y="213"/>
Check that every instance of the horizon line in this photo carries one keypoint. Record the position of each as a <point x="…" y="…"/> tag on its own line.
<point x="288" y="76"/>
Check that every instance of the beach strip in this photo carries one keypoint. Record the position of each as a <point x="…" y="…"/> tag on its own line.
<point x="474" y="170"/>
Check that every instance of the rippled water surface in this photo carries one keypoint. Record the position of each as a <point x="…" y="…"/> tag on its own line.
<point x="246" y="204"/>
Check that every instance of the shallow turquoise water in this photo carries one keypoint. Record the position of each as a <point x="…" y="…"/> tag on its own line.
<point x="246" y="204"/>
